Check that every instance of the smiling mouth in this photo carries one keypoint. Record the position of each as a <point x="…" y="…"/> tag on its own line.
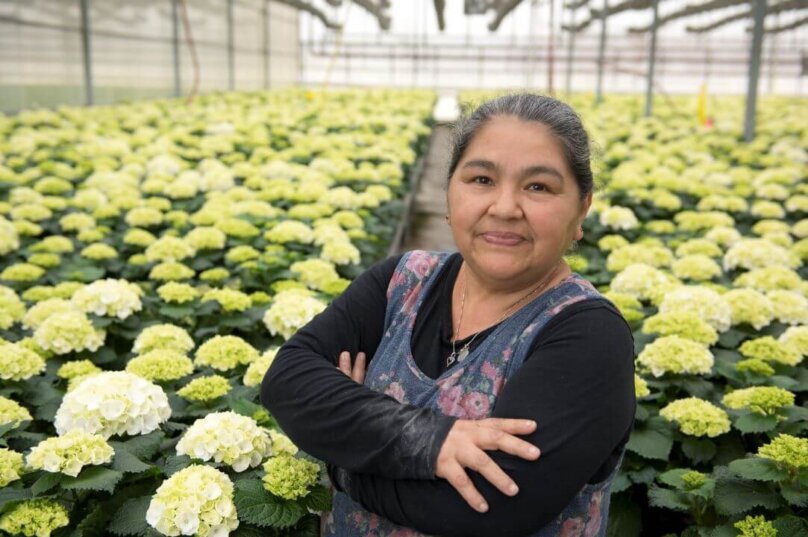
<point x="503" y="239"/>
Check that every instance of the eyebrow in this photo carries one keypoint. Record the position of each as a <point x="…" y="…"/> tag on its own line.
<point x="527" y="172"/>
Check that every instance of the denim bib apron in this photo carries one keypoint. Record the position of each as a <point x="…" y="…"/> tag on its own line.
<point x="468" y="390"/>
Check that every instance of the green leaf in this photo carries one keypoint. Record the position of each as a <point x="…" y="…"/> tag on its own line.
<point x="621" y="482"/>
<point x="721" y="531"/>
<point x="673" y="477"/>
<point x="46" y="481"/>
<point x="176" y="312"/>
<point x="755" y="423"/>
<point x="93" y="478"/>
<point x="698" y="449"/>
<point x="9" y="495"/>
<point x="127" y="462"/>
<point x="653" y="439"/>
<point x="757" y="469"/>
<point x="735" y="496"/>
<point x="669" y="499"/>
<point x="258" y="507"/>
<point x="144" y="446"/>
<point x="791" y="526"/>
<point x="794" y="495"/>
<point x="625" y="518"/>
<point x="93" y="524"/>
<point x="175" y="463"/>
<point x="130" y="519"/>
<point x="318" y="499"/>
<point x="731" y="338"/>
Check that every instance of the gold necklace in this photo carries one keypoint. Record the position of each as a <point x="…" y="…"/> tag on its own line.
<point x="464" y="350"/>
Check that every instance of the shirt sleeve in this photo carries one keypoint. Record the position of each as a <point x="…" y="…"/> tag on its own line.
<point x="331" y="417"/>
<point x="578" y="385"/>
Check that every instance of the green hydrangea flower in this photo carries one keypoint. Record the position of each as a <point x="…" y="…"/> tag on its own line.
<point x="229" y="299"/>
<point x="168" y="248"/>
<point x="755" y="366"/>
<point x="655" y="256"/>
<point x="19" y="363"/>
<point x="12" y="309"/>
<point x="69" y="453"/>
<point x="257" y="369"/>
<point x="77" y="368"/>
<point x="795" y="338"/>
<point x="170" y="271"/>
<point x="640" y="387"/>
<point x="291" y="310"/>
<point x="99" y="251"/>
<point x="34" y="518"/>
<point x="289" y="477"/>
<point x="755" y="526"/>
<point x="696" y="267"/>
<point x="205" y="389"/>
<point x="787" y="451"/>
<point x="206" y="238"/>
<point x="67" y="332"/>
<point x="11" y="466"/>
<point x="161" y="365"/>
<point x="224" y="353"/>
<point x="694" y="480"/>
<point x="282" y="444"/>
<point x="177" y="293"/>
<point x="697" y="417"/>
<point x="12" y="412"/>
<point x="769" y="349"/>
<point x="769" y="279"/>
<point x="341" y="253"/>
<point x="682" y="324"/>
<point x="673" y="354"/>
<point x="766" y="400"/>
<point x="792" y="307"/>
<point x="607" y="243"/>
<point x="751" y="307"/>
<point x="217" y="274"/>
<point x="163" y="336"/>
<point x="22" y="272"/>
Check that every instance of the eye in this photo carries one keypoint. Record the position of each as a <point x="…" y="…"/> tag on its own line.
<point x="541" y="187"/>
<point x="483" y="178"/>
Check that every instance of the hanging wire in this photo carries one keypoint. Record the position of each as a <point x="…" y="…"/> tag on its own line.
<point x="337" y="46"/>
<point x="189" y="40"/>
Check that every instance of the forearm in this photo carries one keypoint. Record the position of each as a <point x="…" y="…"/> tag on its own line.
<point x="346" y="424"/>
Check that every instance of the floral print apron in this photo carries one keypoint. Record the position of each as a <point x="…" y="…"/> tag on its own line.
<point x="468" y="390"/>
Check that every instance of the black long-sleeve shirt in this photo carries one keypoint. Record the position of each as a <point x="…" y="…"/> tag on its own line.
<point x="576" y="383"/>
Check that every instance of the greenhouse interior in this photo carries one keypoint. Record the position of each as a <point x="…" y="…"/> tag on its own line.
<point x="224" y="226"/>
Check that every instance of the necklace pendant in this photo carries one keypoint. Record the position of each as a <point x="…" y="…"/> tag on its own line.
<point x="463" y="353"/>
<point x="451" y="359"/>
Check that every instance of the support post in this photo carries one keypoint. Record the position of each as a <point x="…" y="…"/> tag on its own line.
<point x="175" y="43"/>
<point x="231" y="51"/>
<point x="570" y="53"/>
<point x="759" y="14"/>
<point x="649" y="91"/>
<point x="265" y="50"/>
<point x="601" y="53"/>
<point x="86" y="50"/>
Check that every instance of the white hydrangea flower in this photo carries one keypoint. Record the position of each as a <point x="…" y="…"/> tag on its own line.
<point x="702" y="302"/>
<point x="235" y="440"/>
<point x="291" y="310"/>
<point x="618" y="218"/>
<point x="67" y="332"/>
<point x="118" y="298"/>
<point x="163" y="336"/>
<point x="197" y="500"/>
<point x="758" y="253"/>
<point x="69" y="453"/>
<point x="113" y="403"/>
<point x="642" y="281"/>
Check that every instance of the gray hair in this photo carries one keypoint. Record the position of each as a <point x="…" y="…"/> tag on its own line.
<point x="559" y="117"/>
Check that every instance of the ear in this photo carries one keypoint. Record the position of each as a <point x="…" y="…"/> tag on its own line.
<point x="586" y="203"/>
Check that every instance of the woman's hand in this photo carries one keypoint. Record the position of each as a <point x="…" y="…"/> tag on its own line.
<point x="463" y="448"/>
<point x="357" y="373"/>
<point x="465" y="444"/>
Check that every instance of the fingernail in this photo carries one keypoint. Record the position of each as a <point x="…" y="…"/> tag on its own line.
<point x="483" y="507"/>
<point x="534" y="451"/>
<point x="513" y="489"/>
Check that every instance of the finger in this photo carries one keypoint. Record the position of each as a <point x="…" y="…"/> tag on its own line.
<point x="486" y="466"/>
<point x="359" y="368"/>
<point x="458" y="478"/>
<point x="512" y="426"/>
<point x="345" y="362"/>
<point x="495" y="439"/>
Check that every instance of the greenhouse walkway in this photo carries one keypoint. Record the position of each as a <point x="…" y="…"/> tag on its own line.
<point x="428" y="229"/>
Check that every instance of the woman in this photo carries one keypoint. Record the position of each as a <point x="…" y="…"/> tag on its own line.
<point x="477" y="357"/>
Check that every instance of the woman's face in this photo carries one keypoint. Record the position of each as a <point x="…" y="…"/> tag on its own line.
<point x="514" y="204"/>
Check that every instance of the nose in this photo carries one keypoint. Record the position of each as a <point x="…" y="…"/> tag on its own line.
<point x="505" y="204"/>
